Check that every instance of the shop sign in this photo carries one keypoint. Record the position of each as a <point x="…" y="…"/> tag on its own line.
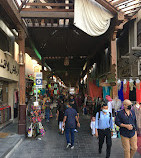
<point x="39" y="80"/>
<point x="38" y="75"/>
<point x="9" y="68"/>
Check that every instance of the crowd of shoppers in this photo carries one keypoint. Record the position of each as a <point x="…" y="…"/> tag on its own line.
<point x="101" y="123"/>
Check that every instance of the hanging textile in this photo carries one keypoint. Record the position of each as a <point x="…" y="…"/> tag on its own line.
<point x="138" y="92"/>
<point x="120" y="91"/>
<point x="137" y="109"/>
<point x="106" y="91"/>
<point x="132" y="93"/>
<point x="94" y="91"/>
<point x="91" y="17"/>
<point x="126" y="90"/>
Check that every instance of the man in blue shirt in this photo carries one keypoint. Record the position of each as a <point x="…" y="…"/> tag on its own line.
<point x="70" y="117"/>
<point x="103" y="127"/>
<point x="126" y="120"/>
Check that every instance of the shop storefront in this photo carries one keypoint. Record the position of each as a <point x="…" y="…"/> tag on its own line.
<point x="9" y="77"/>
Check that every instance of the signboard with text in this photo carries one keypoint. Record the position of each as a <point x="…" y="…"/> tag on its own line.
<point x="39" y="80"/>
<point x="9" y="68"/>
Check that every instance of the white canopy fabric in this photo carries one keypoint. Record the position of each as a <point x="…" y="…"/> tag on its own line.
<point x="91" y="17"/>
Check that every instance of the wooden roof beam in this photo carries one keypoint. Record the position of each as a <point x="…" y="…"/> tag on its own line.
<point x="25" y="14"/>
<point x="114" y="3"/>
<point x="23" y="3"/>
<point x="108" y="6"/>
<point x="137" y="3"/>
<point x="14" y="14"/>
<point x="47" y="10"/>
<point x="50" y="4"/>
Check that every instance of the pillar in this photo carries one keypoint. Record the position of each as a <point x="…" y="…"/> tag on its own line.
<point x="22" y="87"/>
<point x="114" y="62"/>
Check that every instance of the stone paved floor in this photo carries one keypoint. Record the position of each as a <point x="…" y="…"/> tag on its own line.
<point x="53" y="145"/>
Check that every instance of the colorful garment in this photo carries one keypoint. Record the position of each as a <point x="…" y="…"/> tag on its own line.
<point x="138" y="92"/>
<point x="126" y="90"/>
<point x="106" y="91"/>
<point x="132" y="93"/>
<point x="138" y="118"/>
<point x="120" y="91"/>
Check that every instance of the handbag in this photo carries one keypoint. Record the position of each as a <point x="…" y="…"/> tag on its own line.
<point x="30" y="131"/>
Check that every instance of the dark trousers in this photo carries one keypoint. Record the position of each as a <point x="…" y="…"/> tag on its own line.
<point x="68" y="131"/>
<point x="101" y="135"/>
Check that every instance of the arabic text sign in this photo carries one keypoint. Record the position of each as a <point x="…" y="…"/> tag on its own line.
<point x="9" y="68"/>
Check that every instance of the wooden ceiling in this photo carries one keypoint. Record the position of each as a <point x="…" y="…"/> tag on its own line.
<point x="54" y="44"/>
<point x="50" y="26"/>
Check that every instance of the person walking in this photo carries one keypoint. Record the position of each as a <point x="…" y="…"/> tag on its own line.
<point x="60" y="115"/>
<point x="103" y="128"/>
<point x="69" y="117"/>
<point x="74" y="106"/>
<point x="47" y="109"/>
<point x="126" y="120"/>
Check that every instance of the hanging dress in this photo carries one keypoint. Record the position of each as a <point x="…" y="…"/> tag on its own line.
<point x="138" y="92"/>
<point x="132" y="93"/>
<point x="120" y="91"/>
<point x="126" y="90"/>
<point x="138" y="118"/>
<point x="106" y="91"/>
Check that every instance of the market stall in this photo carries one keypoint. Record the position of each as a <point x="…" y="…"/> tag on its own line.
<point x="36" y="128"/>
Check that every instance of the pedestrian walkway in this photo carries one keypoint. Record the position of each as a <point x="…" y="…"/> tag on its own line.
<point x="53" y="145"/>
<point x="9" y="139"/>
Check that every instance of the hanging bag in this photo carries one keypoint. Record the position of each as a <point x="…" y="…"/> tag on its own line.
<point x="30" y="131"/>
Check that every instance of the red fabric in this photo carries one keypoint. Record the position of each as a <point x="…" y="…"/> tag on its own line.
<point x="108" y="98"/>
<point x="139" y="145"/>
<point x="94" y="91"/>
<point x="5" y="107"/>
<point x="126" y="93"/>
<point x="138" y="94"/>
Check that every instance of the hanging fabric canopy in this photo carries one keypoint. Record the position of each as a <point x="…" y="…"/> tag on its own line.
<point x="91" y="17"/>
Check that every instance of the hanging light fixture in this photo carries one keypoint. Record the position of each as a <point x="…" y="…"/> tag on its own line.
<point x="66" y="61"/>
<point x="66" y="73"/>
<point x="21" y="58"/>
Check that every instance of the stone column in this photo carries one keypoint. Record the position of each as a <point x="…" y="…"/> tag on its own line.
<point x="22" y="87"/>
<point x="114" y="62"/>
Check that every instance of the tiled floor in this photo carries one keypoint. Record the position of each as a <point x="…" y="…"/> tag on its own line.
<point x="53" y="145"/>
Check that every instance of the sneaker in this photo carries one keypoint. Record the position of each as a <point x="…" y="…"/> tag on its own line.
<point x="72" y="147"/>
<point x="75" y="130"/>
<point x="68" y="145"/>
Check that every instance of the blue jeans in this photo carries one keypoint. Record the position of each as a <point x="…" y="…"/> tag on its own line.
<point x="47" y="112"/>
<point x="68" y="131"/>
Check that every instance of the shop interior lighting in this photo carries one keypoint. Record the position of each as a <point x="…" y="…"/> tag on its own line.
<point x="34" y="62"/>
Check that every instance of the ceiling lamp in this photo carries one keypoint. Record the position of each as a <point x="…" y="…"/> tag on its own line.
<point x="66" y="73"/>
<point x="21" y="58"/>
<point x="66" y="61"/>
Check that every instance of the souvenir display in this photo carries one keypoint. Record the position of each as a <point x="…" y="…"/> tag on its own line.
<point x="36" y="127"/>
